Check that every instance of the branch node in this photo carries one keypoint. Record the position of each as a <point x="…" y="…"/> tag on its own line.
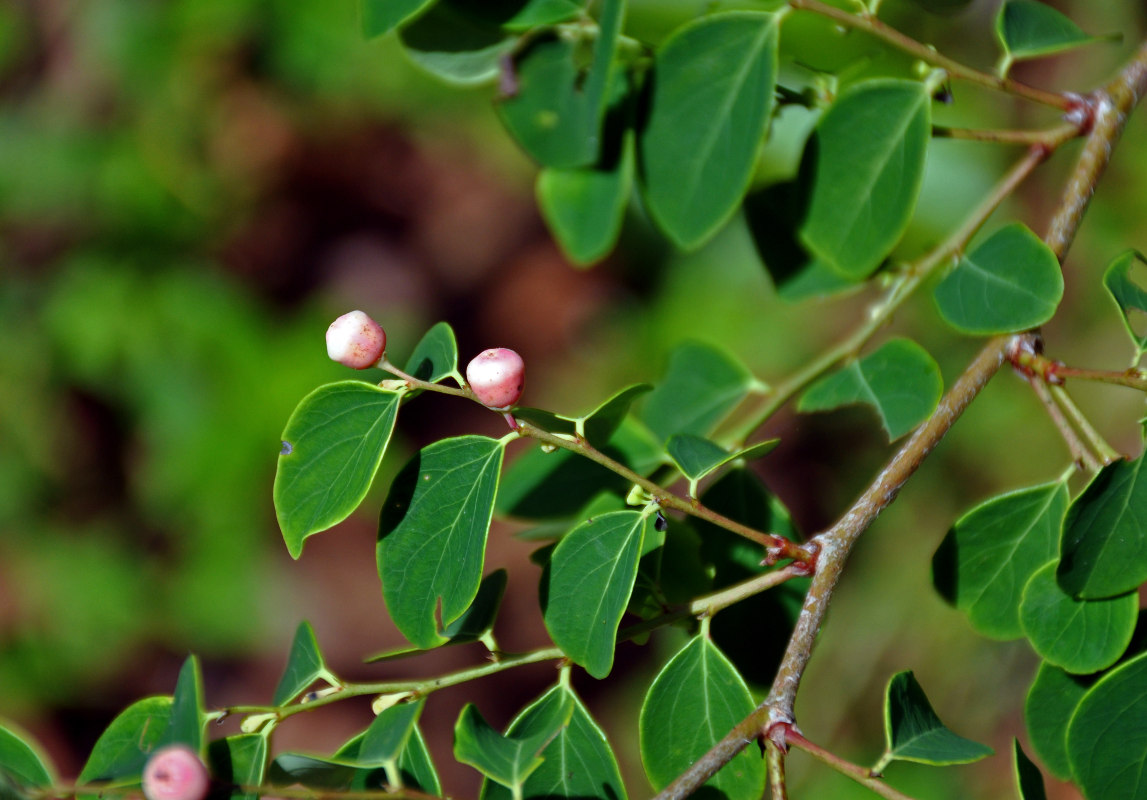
<point x="1081" y="111"/>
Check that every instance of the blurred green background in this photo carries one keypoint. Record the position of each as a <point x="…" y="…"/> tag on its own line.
<point x="190" y="190"/>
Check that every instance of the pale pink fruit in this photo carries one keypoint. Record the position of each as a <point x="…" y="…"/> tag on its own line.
<point x="355" y="340"/>
<point x="175" y="773"/>
<point x="496" y="376"/>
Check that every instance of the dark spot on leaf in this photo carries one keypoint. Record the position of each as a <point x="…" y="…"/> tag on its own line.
<point x="288" y="448"/>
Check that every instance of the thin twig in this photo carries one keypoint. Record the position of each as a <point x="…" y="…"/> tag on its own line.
<point x="858" y="773"/>
<point x="1080" y="454"/>
<point x="1079" y="419"/>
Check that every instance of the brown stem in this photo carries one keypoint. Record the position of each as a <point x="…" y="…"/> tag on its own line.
<point x="1042" y="137"/>
<point x="858" y="773"/>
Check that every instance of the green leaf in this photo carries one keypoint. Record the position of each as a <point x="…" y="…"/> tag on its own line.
<point x="435" y="357"/>
<point x="988" y="556"/>
<point x="701" y="385"/>
<point x="123" y="749"/>
<point x="712" y="94"/>
<point x="1107" y="741"/>
<point x="1104" y="545"/>
<point x="598" y="426"/>
<point x="585" y="207"/>
<point x="538" y="13"/>
<point x="1029" y="781"/>
<point x="591" y="576"/>
<point x="867" y="157"/>
<point x="313" y="772"/>
<point x="383" y="16"/>
<point x="416" y="766"/>
<point x="915" y="733"/>
<point x="432" y="534"/>
<point x="1010" y="282"/>
<point x="332" y="446"/>
<point x="578" y="763"/>
<point x="21" y="760"/>
<point x="188" y="719"/>
<point x="1030" y="29"/>
<point x="900" y="381"/>
<point x="944" y="6"/>
<point x="693" y="702"/>
<point x="239" y="760"/>
<point x="509" y="759"/>
<point x="454" y="41"/>
<point x="475" y="623"/>
<point x="305" y="665"/>
<point x="1051" y="700"/>
<point x="697" y="457"/>
<point x="1081" y="636"/>
<point x="346" y="770"/>
<point x="1128" y="295"/>
<point x="555" y="114"/>
<point x="388" y="734"/>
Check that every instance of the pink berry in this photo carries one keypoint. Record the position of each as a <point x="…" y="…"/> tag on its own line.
<point x="496" y="376"/>
<point x="175" y="773"/>
<point x="355" y="340"/>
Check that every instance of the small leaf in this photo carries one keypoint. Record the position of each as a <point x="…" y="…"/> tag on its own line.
<point x="435" y="357"/>
<point x="383" y="16"/>
<point x="1030" y="29"/>
<point x="915" y="733"/>
<point x="509" y="759"/>
<point x="712" y="93"/>
<point x="21" y="760"/>
<point x="900" y="381"/>
<point x="239" y="760"/>
<point x="693" y="702"/>
<point x="305" y="665"/>
<point x="578" y="763"/>
<point x="867" y="159"/>
<point x="1128" y="295"/>
<point x="538" y="13"/>
<point x="123" y="749"/>
<point x="188" y="719"/>
<point x="1051" y="700"/>
<point x="432" y="534"/>
<point x="591" y="576"/>
<point x="333" y="444"/>
<point x="990" y="553"/>
<point x="454" y="41"/>
<point x="698" y="457"/>
<point x="416" y="766"/>
<point x="1106" y="740"/>
<point x="701" y="385"/>
<point x="1081" y="636"/>
<point x="1010" y="282"/>
<point x="1029" y="781"/>
<point x="604" y="421"/>
<point x="388" y="734"/>
<point x="1104" y="545"/>
<point x="345" y="770"/>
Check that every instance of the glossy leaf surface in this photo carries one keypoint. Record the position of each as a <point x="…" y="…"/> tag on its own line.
<point x="304" y="666"/>
<point x="697" y="456"/>
<point x="21" y="760"/>
<point x="1010" y="282"/>
<point x="1081" y="636"/>
<point x="1107" y="740"/>
<point x="990" y="553"/>
<point x="1051" y="701"/>
<point x="1030" y="29"/>
<point x="701" y="385"/>
<point x="332" y="446"/>
<point x="383" y="16"/>
<point x="868" y="162"/>
<point x="900" y="381"/>
<point x="914" y="732"/>
<point x="1128" y="294"/>
<point x="188" y="718"/>
<point x="578" y="763"/>
<point x="508" y="759"/>
<point x="239" y="760"/>
<point x="1029" y="781"/>
<point x="1104" y="545"/>
<point x="123" y="749"/>
<point x="454" y="41"/>
<point x="388" y="734"/>
<point x="432" y="534"/>
<point x="591" y="576"/>
<point x="435" y="356"/>
<point x="711" y="97"/>
<point x="693" y="702"/>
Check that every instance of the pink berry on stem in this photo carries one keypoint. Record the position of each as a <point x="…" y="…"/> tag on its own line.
<point x="175" y="773"/>
<point x="355" y="340"/>
<point x="496" y="377"/>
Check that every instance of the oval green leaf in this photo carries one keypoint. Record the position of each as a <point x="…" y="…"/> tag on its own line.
<point x="701" y="385"/>
<point x="383" y="16"/>
<point x="990" y="553"/>
<point x="900" y="381"/>
<point x="123" y="749"/>
<point x="1127" y="293"/>
<point x="20" y="760"/>
<point x="509" y="759"/>
<point x="1029" y="781"/>
<point x="1051" y="701"/>
<point x="435" y="357"/>
<point x="591" y="576"/>
<point x="305" y="665"/>
<point x="1107" y="740"/>
<point x="332" y="446"/>
<point x="456" y="43"/>
<point x="432" y="534"/>
<point x="867" y="157"/>
<point x="712" y="93"/>
<point x="578" y="763"/>
<point x="1104" y="546"/>
<point x="693" y="702"/>
<point x="1010" y="282"/>
<point x="1081" y="636"/>
<point x="1030" y="29"/>
<point x="914" y="732"/>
